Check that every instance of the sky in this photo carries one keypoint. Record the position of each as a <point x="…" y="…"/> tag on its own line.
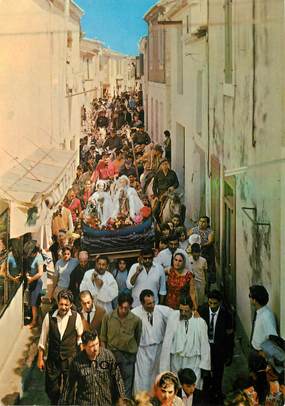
<point x="118" y="23"/>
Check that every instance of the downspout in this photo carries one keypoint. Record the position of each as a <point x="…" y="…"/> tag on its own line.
<point x="208" y="95"/>
<point x="253" y="139"/>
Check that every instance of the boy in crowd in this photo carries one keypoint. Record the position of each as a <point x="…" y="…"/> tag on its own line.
<point x="189" y="394"/>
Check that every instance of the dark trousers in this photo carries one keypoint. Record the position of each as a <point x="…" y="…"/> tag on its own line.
<point x="213" y="382"/>
<point x="126" y="362"/>
<point x="55" y="378"/>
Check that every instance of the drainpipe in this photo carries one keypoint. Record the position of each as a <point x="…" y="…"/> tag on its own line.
<point x="208" y="94"/>
<point x="253" y="139"/>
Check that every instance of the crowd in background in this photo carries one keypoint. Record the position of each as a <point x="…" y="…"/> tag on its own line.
<point x="149" y="331"/>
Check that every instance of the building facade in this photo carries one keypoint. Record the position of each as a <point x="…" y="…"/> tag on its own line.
<point x="90" y="52"/>
<point x="226" y="95"/>
<point x="40" y="129"/>
<point x="157" y="74"/>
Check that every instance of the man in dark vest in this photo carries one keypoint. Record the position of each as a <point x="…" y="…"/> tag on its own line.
<point x="61" y="330"/>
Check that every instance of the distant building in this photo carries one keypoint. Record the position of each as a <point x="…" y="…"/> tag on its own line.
<point x="157" y="81"/>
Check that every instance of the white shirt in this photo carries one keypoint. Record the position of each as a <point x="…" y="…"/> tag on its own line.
<point x="154" y="280"/>
<point x="215" y="321"/>
<point x="265" y="325"/>
<point x="61" y="325"/>
<point x="187" y="401"/>
<point x="103" y="295"/>
<point x="153" y="334"/>
<point x="92" y="313"/>
<point x="165" y="256"/>
<point x="198" y="268"/>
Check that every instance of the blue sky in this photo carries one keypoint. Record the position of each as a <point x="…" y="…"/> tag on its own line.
<point x="118" y="23"/>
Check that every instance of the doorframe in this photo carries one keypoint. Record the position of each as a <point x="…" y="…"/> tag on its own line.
<point x="229" y="200"/>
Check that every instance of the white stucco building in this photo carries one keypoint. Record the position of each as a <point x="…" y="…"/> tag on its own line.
<point x="90" y="52"/>
<point x="40" y="79"/>
<point x="225" y="99"/>
<point x="157" y="76"/>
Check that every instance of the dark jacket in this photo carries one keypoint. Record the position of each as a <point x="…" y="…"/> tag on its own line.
<point x="113" y="143"/>
<point x="223" y="339"/>
<point x="161" y="182"/>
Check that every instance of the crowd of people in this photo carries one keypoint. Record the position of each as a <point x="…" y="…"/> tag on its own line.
<point x="151" y="332"/>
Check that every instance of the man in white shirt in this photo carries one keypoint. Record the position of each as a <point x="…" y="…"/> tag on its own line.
<point x="62" y="330"/>
<point x="164" y="258"/>
<point x="154" y="319"/>
<point x="101" y="284"/>
<point x="147" y="275"/>
<point x="264" y="323"/>
<point x="185" y="343"/>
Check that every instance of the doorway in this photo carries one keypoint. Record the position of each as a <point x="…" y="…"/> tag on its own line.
<point x="180" y="155"/>
<point x="229" y="242"/>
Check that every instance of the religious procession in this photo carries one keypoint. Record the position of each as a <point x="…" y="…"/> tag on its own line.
<point x="133" y="313"/>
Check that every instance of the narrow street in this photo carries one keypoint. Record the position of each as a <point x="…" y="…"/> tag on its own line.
<point x="34" y="394"/>
<point x="142" y="198"/>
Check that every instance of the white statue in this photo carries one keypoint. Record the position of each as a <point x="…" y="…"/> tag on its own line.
<point x="102" y="201"/>
<point x="126" y="200"/>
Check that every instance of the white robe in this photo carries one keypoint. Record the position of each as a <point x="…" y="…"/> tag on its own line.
<point x="102" y="296"/>
<point x="104" y="214"/>
<point x="181" y="350"/>
<point x="148" y="355"/>
<point x="135" y="202"/>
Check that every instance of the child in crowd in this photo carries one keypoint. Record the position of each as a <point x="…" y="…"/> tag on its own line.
<point x="120" y="274"/>
<point x="198" y="266"/>
<point x="183" y="240"/>
<point x="189" y="394"/>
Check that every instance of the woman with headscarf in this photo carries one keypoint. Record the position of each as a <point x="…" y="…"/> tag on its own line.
<point x="180" y="281"/>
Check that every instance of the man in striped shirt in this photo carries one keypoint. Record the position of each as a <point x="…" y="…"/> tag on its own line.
<point x="95" y="376"/>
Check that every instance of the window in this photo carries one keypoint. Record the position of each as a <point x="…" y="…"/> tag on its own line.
<point x="150" y="52"/>
<point x="11" y="262"/>
<point x="88" y="68"/>
<point x="161" y="47"/>
<point x="228" y="42"/>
